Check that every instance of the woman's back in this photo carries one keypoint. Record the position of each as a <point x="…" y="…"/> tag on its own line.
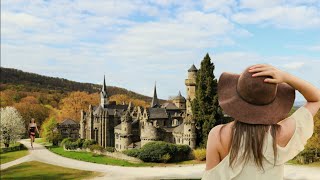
<point x="302" y="121"/>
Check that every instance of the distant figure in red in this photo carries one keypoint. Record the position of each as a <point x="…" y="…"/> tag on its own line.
<point x="32" y="131"/>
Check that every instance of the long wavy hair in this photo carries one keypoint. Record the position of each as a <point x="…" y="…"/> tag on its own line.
<point x="253" y="137"/>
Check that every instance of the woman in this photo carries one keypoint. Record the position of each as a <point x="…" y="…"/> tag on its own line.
<point x="261" y="138"/>
<point x="32" y="130"/>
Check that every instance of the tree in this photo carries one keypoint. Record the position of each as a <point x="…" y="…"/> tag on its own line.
<point x="12" y="126"/>
<point x="29" y="110"/>
<point x="74" y="102"/>
<point x="50" y="132"/>
<point x="123" y="98"/>
<point x="205" y="106"/>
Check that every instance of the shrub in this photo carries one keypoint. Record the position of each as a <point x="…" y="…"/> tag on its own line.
<point x="96" y="147"/>
<point x="80" y="143"/>
<point x="199" y="154"/>
<point x="110" y="149"/>
<point x="132" y="152"/>
<point x="87" y="143"/>
<point x="71" y="145"/>
<point x="165" y="158"/>
<point x="158" y="151"/>
<point x="66" y="140"/>
<point x="16" y="147"/>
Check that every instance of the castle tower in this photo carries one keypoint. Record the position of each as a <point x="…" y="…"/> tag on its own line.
<point x="149" y="133"/>
<point x="191" y="87"/>
<point x="104" y="94"/>
<point x="155" y="100"/>
<point x="126" y="130"/>
<point x="189" y="132"/>
<point x="82" y="125"/>
<point x="180" y="101"/>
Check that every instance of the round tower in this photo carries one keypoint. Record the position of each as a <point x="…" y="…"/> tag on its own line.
<point x="180" y="101"/>
<point x="191" y="87"/>
<point x="126" y="123"/>
<point x="149" y="133"/>
<point x="126" y="131"/>
<point x="189" y="132"/>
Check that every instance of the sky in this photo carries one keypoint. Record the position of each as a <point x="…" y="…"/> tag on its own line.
<point x="136" y="43"/>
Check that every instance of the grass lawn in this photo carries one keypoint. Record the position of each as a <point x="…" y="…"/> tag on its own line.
<point x="10" y="156"/>
<point x="102" y="159"/>
<point x="38" y="170"/>
<point x="294" y="162"/>
<point x="91" y="157"/>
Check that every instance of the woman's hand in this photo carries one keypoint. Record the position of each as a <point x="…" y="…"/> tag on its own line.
<point x="277" y="76"/>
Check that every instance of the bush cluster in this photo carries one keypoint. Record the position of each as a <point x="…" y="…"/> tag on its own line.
<point x="87" y="143"/>
<point x="160" y="151"/>
<point x="71" y="144"/>
<point x="96" y="147"/>
<point x="199" y="154"/>
<point x="16" y="147"/>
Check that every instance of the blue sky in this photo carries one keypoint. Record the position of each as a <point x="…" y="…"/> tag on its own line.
<point x="135" y="43"/>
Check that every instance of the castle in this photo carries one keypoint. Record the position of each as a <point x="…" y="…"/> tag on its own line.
<point x="128" y="126"/>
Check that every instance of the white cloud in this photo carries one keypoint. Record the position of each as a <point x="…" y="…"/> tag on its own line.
<point x="291" y="17"/>
<point x="293" y="65"/>
<point x="138" y="42"/>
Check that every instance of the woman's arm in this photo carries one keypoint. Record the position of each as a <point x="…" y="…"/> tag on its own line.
<point x="213" y="143"/>
<point x="309" y="91"/>
<point x="37" y="128"/>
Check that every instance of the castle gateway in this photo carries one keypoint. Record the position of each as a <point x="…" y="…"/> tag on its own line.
<point x="128" y="126"/>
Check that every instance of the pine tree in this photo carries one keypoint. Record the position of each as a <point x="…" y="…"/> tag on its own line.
<point x="205" y="106"/>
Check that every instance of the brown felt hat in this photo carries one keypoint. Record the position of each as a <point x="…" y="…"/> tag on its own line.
<point x="251" y="100"/>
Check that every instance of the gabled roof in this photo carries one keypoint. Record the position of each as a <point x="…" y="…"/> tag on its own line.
<point x="157" y="113"/>
<point x="169" y="105"/>
<point x="68" y="122"/>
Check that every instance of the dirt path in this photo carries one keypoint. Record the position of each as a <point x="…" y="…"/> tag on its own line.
<point x="40" y="153"/>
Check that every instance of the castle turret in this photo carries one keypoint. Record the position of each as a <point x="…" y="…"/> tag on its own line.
<point x="148" y="133"/>
<point x="180" y="101"/>
<point x="191" y="87"/>
<point x="126" y="131"/>
<point x="189" y="132"/>
<point x="155" y="100"/>
<point x="104" y="94"/>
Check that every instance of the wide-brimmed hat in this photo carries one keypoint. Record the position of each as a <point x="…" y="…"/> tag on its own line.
<point x="251" y="100"/>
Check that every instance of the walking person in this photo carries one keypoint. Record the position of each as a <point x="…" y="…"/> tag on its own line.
<point x="261" y="138"/>
<point x="32" y="131"/>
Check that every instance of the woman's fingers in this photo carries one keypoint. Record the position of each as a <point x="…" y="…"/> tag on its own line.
<point x="269" y="80"/>
<point x="263" y="73"/>
<point x="259" y="66"/>
<point x="259" y="69"/>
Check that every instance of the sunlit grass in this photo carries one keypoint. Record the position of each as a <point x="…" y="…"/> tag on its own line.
<point x="38" y="170"/>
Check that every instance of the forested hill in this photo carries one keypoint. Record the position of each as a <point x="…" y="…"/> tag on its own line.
<point x="35" y="83"/>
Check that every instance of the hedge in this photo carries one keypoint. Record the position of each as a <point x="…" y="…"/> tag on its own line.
<point x="16" y="147"/>
<point x="160" y="151"/>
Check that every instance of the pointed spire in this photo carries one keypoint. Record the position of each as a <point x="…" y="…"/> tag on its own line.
<point x="155" y="101"/>
<point x="103" y="93"/>
<point x="104" y="86"/>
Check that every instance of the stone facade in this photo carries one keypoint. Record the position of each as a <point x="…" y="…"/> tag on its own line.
<point x="129" y="126"/>
<point x="69" y="129"/>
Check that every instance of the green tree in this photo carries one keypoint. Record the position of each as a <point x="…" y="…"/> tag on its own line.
<point x="205" y="106"/>
<point x="50" y="132"/>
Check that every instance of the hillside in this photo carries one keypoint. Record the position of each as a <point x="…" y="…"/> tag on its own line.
<point x="26" y="81"/>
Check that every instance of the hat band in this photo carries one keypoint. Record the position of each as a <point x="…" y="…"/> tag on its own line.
<point x="254" y="103"/>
